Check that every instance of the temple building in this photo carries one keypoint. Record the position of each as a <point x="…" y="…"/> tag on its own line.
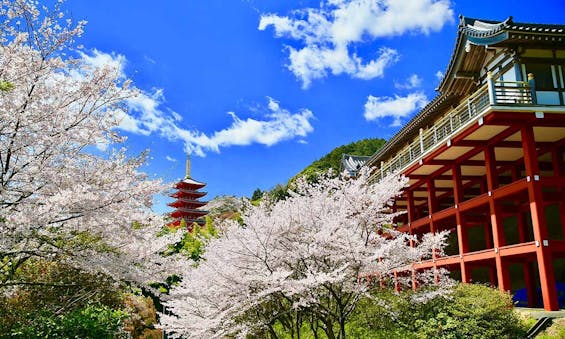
<point x="351" y="164"/>
<point x="187" y="204"/>
<point x="485" y="159"/>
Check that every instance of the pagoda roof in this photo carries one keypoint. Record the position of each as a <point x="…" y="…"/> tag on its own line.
<point x="189" y="182"/>
<point x="191" y="201"/>
<point x="184" y="193"/>
<point x="474" y="37"/>
<point x="185" y="202"/>
<point x="185" y="212"/>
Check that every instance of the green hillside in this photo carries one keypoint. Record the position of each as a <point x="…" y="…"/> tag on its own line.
<point x="333" y="159"/>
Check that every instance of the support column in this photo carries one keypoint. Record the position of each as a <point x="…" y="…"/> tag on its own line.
<point x="414" y="279"/>
<point x="529" y="280"/>
<point x="432" y="208"/>
<point x="432" y="200"/>
<point x="522" y="225"/>
<point x="410" y="206"/>
<point x="497" y="226"/>
<point x="411" y="217"/>
<point x="462" y="238"/>
<point x="396" y="282"/>
<point x="539" y="223"/>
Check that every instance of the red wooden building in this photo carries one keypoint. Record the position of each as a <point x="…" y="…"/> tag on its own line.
<point x="485" y="159"/>
<point x="187" y="204"/>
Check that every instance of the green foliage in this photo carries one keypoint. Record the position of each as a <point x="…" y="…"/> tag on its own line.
<point x="257" y="195"/>
<point x="92" y="321"/>
<point x="333" y="159"/>
<point x="476" y="311"/>
<point x="279" y="192"/>
<point x="6" y="85"/>
<point x="329" y="161"/>
<point x="194" y="242"/>
<point x="42" y="288"/>
<point x="470" y="311"/>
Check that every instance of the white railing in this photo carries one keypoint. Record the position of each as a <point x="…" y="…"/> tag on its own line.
<point x="492" y="93"/>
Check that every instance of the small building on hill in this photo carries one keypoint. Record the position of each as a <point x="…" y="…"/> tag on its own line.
<point x="352" y="163"/>
<point x="486" y="160"/>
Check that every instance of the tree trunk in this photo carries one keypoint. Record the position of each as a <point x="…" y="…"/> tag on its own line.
<point x="328" y="328"/>
<point x="314" y="327"/>
<point x="298" y="324"/>
<point x="272" y="332"/>
<point x="342" y="328"/>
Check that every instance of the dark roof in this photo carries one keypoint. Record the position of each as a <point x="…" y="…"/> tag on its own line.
<point x="464" y="67"/>
<point x="352" y="163"/>
<point x="478" y="33"/>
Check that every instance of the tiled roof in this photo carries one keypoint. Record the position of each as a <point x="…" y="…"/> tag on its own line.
<point x="352" y="163"/>
<point x="476" y="32"/>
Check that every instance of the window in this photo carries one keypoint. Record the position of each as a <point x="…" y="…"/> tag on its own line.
<point x="543" y="75"/>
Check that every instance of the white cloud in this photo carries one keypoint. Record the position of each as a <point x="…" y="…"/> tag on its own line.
<point x="98" y="59"/>
<point x="146" y="115"/>
<point x="279" y="125"/>
<point x="327" y="33"/>
<point x="439" y="75"/>
<point x="397" y="107"/>
<point x="149" y="59"/>
<point x="171" y="159"/>
<point x="413" y="81"/>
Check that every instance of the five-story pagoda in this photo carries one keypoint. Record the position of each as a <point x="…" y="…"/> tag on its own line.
<point x="187" y="204"/>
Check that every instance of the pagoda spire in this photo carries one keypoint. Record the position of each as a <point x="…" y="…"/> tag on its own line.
<point x="187" y="166"/>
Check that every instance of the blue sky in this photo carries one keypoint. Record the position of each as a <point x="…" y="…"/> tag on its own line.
<point x="258" y="89"/>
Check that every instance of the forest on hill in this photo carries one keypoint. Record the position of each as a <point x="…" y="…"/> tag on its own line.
<point x="365" y="147"/>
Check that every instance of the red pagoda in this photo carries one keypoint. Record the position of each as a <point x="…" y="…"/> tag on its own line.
<point x="187" y="206"/>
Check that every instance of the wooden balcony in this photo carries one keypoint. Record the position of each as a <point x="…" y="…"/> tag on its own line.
<point x="477" y="105"/>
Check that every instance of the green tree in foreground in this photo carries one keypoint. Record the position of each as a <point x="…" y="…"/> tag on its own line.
<point x="470" y="311"/>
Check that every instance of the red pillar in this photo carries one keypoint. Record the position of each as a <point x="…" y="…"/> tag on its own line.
<point x="497" y="226"/>
<point x="539" y="224"/>
<point x="529" y="279"/>
<point x="414" y="279"/>
<point x="396" y="282"/>
<point x="432" y="208"/>
<point x="411" y="217"/>
<point x="462" y="238"/>
<point x="410" y="206"/>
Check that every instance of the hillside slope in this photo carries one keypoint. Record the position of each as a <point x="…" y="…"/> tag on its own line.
<point x="333" y="159"/>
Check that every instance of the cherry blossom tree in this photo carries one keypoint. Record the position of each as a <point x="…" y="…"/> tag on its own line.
<point x="297" y="262"/>
<point x="62" y="196"/>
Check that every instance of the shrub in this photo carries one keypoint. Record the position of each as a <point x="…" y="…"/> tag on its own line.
<point x="92" y="321"/>
<point x="469" y="311"/>
<point x="472" y="311"/>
